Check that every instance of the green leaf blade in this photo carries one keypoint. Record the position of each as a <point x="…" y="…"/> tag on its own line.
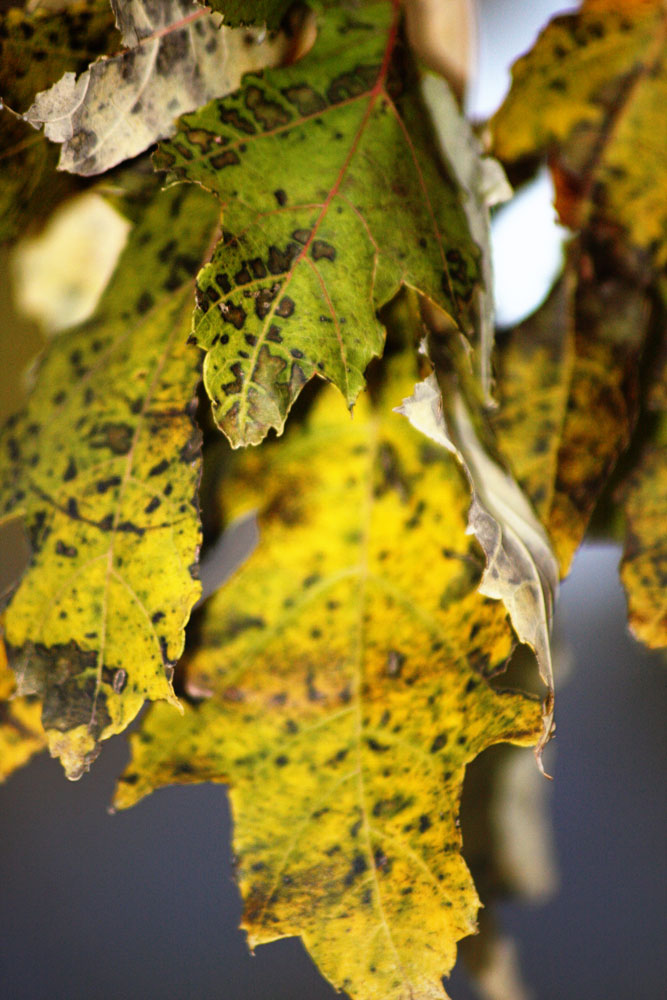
<point x="333" y="198"/>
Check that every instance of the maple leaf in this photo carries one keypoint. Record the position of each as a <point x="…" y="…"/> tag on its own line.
<point x="177" y="57"/>
<point x="568" y="392"/>
<point x="35" y="49"/>
<point x="103" y="465"/>
<point x="348" y="694"/>
<point x="592" y="93"/>
<point x="643" y="500"/>
<point x="334" y="196"/>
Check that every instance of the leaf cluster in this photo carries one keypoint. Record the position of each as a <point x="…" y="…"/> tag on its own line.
<point x="312" y="215"/>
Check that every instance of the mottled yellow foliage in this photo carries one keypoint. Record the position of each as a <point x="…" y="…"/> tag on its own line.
<point x="346" y="664"/>
<point x="644" y="502"/>
<point x="103" y="464"/>
<point x="568" y="391"/>
<point x="592" y="94"/>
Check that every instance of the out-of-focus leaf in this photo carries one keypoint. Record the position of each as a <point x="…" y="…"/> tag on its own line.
<point x="592" y="94"/>
<point x="35" y="49"/>
<point x="177" y="58"/>
<point x="568" y="393"/>
<point x="644" y="501"/>
<point x="346" y="663"/>
<point x="334" y="195"/>
<point x="443" y="36"/>
<point x="60" y="274"/>
<point x="104" y="465"/>
<point x="21" y="733"/>
<point x="238" y="12"/>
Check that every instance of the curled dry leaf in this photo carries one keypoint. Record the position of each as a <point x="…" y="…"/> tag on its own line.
<point x="178" y="57"/>
<point x="348" y="695"/>
<point x="521" y="569"/>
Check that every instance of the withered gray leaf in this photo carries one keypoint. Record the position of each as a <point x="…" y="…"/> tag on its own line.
<point x="178" y="58"/>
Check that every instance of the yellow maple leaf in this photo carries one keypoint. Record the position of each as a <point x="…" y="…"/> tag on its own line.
<point x="347" y="663"/>
<point x="568" y="392"/>
<point x="103" y="465"/>
<point x="643" y="498"/>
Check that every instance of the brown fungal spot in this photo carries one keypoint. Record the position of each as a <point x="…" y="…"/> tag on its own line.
<point x="285" y="307"/>
<point x="223" y="283"/>
<point x="232" y="388"/>
<point x="234" y="314"/>
<point x="232" y="116"/>
<point x="144" y="302"/>
<point x="352" y="84"/>
<point x="257" y="267"/>
<point x="116" y="437"/>
<point x="70" y="551"/>
<point x="243" y="276"/>
<point x="380" y="859"/>
<point x="306" y="100"/>
<point x="279" y="261"/>
<point x="226" y="159"/>
<point x="268" y="113"/>
<point x="358" y="867"/>
<point x="103" y="485"/>
<point x="320" y="249"/>
<point x="70" y="471"/>
<point x="439" y="742"/>
<point x="158" y="469"/>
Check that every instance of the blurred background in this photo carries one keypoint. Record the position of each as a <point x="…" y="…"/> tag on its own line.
<point x="143" y="904"/>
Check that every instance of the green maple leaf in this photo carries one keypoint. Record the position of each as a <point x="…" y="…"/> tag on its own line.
<point x="334" y="196"/>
